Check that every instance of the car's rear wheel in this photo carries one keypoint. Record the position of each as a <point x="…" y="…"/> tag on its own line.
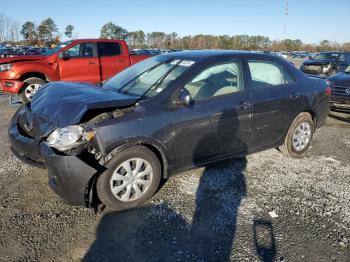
<point x="131" y="178"/>
<point x="299" y="136"/>
<point x="32" y="85"/>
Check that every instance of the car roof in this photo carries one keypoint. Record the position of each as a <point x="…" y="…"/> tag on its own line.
<point x="206" y="54"/>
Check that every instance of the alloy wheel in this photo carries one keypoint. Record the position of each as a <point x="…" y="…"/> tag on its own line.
<point x="31" y="90"/>
<point x="131" y="179"/>
<point x="302" y="136"/>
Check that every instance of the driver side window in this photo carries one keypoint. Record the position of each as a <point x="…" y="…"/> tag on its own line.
<point x="81" y="50"/>
<point x="216" y="80"/>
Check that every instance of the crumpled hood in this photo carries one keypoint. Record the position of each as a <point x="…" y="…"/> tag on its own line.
<point x="65" y="103"/>
<point x="340" y="79"/>
<point x="21" y="58"/>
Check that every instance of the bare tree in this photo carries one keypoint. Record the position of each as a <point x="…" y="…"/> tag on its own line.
<point x="9" y="29"/>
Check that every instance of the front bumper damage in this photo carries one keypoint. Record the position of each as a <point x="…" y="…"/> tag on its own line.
<point x="69" y="175"/>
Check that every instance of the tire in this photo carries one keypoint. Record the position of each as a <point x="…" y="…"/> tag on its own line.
<point x="105" y="183"/>
<point x="291" y="141"/>
<point x="32" y="85"/>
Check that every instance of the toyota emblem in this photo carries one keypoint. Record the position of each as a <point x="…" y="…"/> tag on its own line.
<point x="347" y="91"/>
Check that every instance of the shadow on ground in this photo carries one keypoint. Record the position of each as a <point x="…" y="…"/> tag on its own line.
<point x="159" y="233"/>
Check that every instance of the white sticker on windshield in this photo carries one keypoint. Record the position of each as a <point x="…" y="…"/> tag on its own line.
<point x="186" y="63"/>
<point x="175" y="62"/>
<point x="182" y="63"/>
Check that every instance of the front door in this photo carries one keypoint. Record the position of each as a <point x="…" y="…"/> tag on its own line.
<point x="81" y="64"/>
<point x="218" y="123"/>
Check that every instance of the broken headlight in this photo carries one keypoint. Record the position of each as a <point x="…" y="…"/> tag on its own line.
<point x="68" y="137"/>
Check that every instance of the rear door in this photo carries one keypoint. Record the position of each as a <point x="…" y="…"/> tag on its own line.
<point x="277" y="100"/>
<point x="112" y="58"/>
<point x="82" y="64"/>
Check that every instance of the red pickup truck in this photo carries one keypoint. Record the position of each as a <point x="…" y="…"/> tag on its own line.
<point x="84" y="60"/>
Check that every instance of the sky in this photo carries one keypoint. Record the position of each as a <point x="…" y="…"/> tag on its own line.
<point x="308" y="20"/>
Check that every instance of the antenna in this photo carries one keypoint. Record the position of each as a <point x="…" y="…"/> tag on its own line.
<point x="285" y="22"/>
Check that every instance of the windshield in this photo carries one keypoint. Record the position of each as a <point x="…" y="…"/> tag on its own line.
<point x="326" y="56"/>
<point x="57" y="48"/>
<point x="149" y="77"/>
<point x="347" y="70"/>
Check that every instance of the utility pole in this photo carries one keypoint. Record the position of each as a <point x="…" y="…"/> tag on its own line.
<point x="285" y="22"/>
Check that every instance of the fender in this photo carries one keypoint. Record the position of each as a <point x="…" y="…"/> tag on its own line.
<point x="46" y="70"/>
<point x="161" y="150"/>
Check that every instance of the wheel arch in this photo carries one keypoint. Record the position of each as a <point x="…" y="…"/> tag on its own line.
<point x="313" y="115"/>
<point x="91" y="197"/>
<point x="156" y="147"/>
<point x="309" y="112"/>
<point x="34" y="74"/>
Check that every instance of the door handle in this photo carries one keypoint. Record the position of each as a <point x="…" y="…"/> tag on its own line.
<point x="121" y="60"/>
<point x="295" y="95"/>
<point x="244" y="105"/>
<point x="91" y="63"/>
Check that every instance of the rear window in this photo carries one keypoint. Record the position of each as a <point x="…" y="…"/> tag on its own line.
<point x="109" y="49"/>
<point x="265" y="74"/>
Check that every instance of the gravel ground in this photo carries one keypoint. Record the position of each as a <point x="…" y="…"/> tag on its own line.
<point x="217" y="213"/>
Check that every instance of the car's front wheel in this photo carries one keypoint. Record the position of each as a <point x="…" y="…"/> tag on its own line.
<point x="299" y="136"/>
<point x="32" y="85"/>
<point x="132" y="177"/>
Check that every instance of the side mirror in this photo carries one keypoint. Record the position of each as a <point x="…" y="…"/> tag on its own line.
<point x="185" y="98"/>
<point x="64" y="55"/>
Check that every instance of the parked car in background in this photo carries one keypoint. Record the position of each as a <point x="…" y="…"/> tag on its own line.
<point x="299" y="54"/>
<point x="166" y="114"/>
<point x="326" y="64"/>
<point x="85" y="60"/>
<point x="5" y="52"/>
<point x="340" y="85"/>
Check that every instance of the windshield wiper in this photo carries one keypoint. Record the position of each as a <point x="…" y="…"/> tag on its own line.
<point x="159" y="81"/>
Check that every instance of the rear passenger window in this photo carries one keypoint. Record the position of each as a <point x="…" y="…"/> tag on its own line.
<point x="109" y="49"/>
<point x="266" y="74"/>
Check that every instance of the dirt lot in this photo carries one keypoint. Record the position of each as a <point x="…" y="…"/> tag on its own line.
<point x="210" y="214"/>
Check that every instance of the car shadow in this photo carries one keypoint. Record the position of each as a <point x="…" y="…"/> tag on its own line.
<point x="160" y="233"/>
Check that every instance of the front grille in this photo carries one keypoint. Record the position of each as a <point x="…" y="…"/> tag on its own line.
<point x="340" y="90"/>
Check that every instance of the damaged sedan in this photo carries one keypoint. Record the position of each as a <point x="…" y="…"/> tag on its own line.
<point x="113" y="145"/>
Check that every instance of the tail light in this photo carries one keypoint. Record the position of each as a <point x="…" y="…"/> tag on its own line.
<point x="328" y="90"/>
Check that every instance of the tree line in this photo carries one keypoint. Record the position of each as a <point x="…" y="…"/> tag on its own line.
<point x="140" y="39"/>
<point x="44" y="34"/>
<point x="47" y="34"/>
